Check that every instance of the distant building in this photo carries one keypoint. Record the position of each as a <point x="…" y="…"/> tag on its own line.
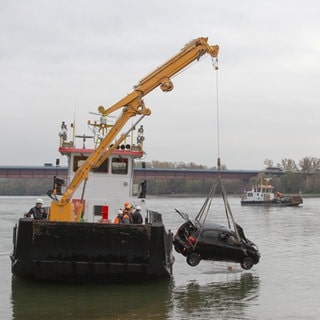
<point x="273" y="169"/>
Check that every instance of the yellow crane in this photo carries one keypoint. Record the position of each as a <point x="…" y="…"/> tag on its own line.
<point x="132" y="105"/>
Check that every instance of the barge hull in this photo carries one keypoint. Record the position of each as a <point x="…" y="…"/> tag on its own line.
<point x="267" y="204"/>
<point x="271" y="203"/>
<point x="91" y="252"/>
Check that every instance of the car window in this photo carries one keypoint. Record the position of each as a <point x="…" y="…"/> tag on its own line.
<point x="228" y="237"/>
<point x="210" y="235"/>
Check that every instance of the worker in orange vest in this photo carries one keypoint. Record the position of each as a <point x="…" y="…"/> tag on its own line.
<point x="126" y="218"/>
<point x="128" y="213"/>
<point x="119" y="218"/>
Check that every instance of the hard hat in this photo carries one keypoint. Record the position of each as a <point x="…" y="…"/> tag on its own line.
<point x="119" y="211"/>
<point x="138" y="207"/>
<point x="39" y="201"/>
<point x="127" y="205"/>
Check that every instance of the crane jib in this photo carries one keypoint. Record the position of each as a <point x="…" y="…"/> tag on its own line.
<point x="131" y="105"/>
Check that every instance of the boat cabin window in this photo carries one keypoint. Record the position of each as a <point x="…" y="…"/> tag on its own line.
<point x="119" y="165"/>
<point x="78" y="161"/>
<point x="104" y="167"/>
<point x="97" y="210"/>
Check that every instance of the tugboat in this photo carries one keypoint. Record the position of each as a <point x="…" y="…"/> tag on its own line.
<point x="79" y="241"/>
<point x="265" y="195"/>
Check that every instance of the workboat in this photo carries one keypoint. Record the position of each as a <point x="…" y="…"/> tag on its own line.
<point x="79" y="241"/>
<point x="94" y="248"/>
<point x="265" y="195"/>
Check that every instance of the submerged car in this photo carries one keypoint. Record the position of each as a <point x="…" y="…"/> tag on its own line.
<point x="212" y="241"/>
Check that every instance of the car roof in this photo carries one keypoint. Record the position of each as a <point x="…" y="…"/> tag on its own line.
<point x="208" y="225"/>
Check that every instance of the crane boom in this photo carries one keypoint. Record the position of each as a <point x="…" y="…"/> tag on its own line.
<point x="161" y="76"/>
<point x="131" y="105"/>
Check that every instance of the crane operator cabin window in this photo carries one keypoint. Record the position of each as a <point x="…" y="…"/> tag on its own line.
<point x="119" y="165"/>
<point x="78" y="161"/>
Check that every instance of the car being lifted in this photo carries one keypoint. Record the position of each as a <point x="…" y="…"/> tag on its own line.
<point x="212" y="241"/>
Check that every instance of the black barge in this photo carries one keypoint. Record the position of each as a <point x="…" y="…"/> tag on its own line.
<point x="92" y="252"/>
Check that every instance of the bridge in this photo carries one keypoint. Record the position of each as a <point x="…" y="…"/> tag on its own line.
<point x="159" y="173"/>
<point x="49" y="171"/>
<point x="35" y="172"/>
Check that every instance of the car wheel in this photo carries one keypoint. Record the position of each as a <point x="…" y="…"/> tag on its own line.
<point x="193" y="259"/>
<point x="247" y="263"/>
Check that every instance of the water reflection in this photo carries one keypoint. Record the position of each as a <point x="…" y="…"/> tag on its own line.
<point x="284" y="285"/>
<point x="151" y="300"/>
<point x="220" y="299"/>
<point x="35" y="300"/>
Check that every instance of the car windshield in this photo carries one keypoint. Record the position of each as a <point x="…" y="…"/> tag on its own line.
<point x="241" y="233"/>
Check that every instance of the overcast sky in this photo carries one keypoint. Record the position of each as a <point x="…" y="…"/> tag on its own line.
<point x="62" y="59"/>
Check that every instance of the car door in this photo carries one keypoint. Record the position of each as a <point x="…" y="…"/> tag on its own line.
<point x="208" y="245"/>
<point x="230" y="246"/>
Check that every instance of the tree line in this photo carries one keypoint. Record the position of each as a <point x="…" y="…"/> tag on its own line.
<point x="303" y="177"/>
<point x="24" y="186"/>
<point x="305" y="165"/>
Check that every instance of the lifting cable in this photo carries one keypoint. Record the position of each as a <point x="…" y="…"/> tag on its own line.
<point x="203" y="213"/>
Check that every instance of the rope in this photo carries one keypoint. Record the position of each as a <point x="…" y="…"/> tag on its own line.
<point x="228" y="209"/>
<point x="203" y="213"/>
<point x="206" y="205"/>
<point x="216" y="68"/>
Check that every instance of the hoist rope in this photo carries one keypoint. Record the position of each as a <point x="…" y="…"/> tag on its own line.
<point x="216" y="68"/>
<point x="185" y="68"/>
<point x="228" y="210"/>
<point x="203" y="213"/>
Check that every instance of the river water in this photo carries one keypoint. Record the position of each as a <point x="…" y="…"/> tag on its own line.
<point x="284" y="285"/>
